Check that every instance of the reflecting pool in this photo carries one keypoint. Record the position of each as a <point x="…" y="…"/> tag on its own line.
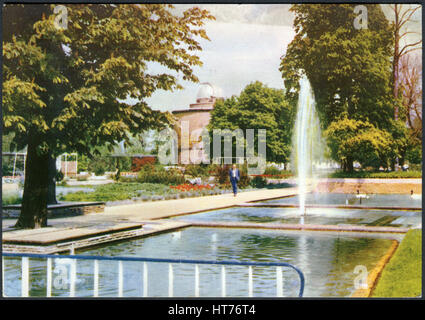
<point x="327" y="260"/>
<point x="324" y="216"/>
<point x="385" y="200"/>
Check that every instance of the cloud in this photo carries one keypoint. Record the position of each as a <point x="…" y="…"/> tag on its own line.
<point x="237" y="55"/>
<point x="268" y="14"/>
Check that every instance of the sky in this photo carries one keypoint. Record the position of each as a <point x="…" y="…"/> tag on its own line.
<point x="247" y="42"/>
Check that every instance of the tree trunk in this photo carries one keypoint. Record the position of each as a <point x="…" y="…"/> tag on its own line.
<point x="34" y="203"/>
<point x="51" y="190"/>
<point x="396" y="57"/>
<point x="349" y="165"/>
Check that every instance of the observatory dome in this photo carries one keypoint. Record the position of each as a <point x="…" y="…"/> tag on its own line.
<point x="205" y="91"/>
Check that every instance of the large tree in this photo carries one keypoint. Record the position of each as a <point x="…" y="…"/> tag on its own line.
<point x="402" y="15"/>
<point x="67" y="74"/>
<point x="410" y="83"/>
<point x="259" y="107"/>
<point x="348" y="68"/>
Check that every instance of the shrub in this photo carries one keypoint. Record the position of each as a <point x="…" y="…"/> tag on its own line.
<point x="258" y="182"/>
<point x="414" y="154"/>
<point x="99" y="170"/>
<point x="62" y="183"/>
<point x="59" y="175"/>
<point x="222" y="174"/>
<point x="244" y="180"/>
<point x="272" y="170"/>
<point x="196" y="170"/>
<point x="156" y="174"/>
<point x="11" y="198"/>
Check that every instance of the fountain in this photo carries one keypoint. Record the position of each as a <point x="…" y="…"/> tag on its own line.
<point x="307" y="142"/>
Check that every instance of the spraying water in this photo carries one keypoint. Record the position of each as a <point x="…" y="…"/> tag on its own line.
<point x="307" y="141"/>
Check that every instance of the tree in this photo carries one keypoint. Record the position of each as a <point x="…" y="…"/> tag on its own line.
<point x="349" y="69"/>
<point x="259" y="107"/>
<point x="65" y="87"/>
<point x="352" y="140"/>
<point x="402" y="15"/>
<point x="411" y="91"/>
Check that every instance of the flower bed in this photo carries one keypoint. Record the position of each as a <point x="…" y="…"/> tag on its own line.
<point x="274" y="176"/>
<point x="191" y="187"/>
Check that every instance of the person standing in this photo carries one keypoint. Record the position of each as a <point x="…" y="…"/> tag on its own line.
<point x="234" y="178"/>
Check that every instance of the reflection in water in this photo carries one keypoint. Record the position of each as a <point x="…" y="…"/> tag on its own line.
<point x="326" y="259"/>
<point x="324" y="216"/>
<point x="396" y="200"/>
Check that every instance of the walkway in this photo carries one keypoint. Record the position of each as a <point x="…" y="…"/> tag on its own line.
<point x="160" y="209"/>
<point x="120" y="222"/>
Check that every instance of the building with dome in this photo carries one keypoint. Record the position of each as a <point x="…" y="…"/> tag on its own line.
<point x="193" y="120"/>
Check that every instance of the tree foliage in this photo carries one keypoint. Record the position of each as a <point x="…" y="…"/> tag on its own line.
<point x="68" y="85"/>
<point x="259" y="107"/>
<point x="349" y="69"/>
<point x="65" y="88"/>
<point x="355" y="140"/>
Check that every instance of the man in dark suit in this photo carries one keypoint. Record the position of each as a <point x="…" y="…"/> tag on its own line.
<point x="234" y="178"/>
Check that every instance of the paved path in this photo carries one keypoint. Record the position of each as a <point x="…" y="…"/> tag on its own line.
<point x="161" y="209"/>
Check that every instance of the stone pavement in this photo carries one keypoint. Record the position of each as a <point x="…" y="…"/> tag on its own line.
<point x="160" y="209"/>
<point x="120" y="222"/>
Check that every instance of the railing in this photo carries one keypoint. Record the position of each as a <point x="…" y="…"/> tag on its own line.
<point x="73" y="277"/>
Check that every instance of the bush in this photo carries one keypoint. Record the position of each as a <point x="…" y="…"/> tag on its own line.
<point x="157" y="174"/>
<point x="99" y="170"/>
<point x="11" y="198"/>
<point x="59" y="175"/>
<point x="63" y="183"/>
<point x="272" y="170"/>
<point x="414" y="155"/>
<point x="258" y="182"/>
<point x="196" y="170"/>
<point x="222" y="174"/>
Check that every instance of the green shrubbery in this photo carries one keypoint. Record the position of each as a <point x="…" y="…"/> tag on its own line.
<point x="258" y="182"/>
<point x="118" y="191"/>
<point x="157" y="174"/>
<point x="272" y="171"/>
<point x="135" y="191"/>
<point x="11" y="198"/>
<point x="197" y="170"/>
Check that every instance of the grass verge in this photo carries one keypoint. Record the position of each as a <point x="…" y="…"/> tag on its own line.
<point x="402" y="277"/>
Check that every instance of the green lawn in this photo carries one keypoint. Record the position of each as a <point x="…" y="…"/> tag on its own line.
<point x="402" y="277"/>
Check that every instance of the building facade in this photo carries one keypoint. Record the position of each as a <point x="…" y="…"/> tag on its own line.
<point x="191" y="122"/>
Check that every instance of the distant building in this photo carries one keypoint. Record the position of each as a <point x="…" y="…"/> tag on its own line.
<point x="67" y="163"/>
<point x="195" y="118"/>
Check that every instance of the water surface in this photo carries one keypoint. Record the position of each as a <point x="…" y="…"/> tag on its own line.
<point x="326" y="259"/>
